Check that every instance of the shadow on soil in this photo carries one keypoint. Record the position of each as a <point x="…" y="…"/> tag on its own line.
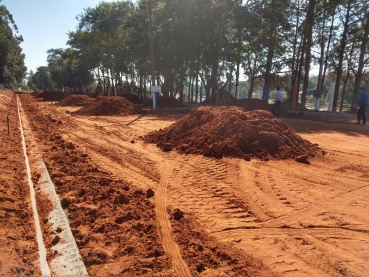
<point x="323" y="125"/>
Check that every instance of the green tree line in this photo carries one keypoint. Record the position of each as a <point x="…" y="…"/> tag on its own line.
<point x="12" y="68"/>
<point x="210" y="43"/>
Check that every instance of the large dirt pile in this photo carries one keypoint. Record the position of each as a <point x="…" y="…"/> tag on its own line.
<point x="113" y="105"/>
<point x="52" y="95"/>
<point x="75" y="100"/>
<point x="224" y="98"/>
<point x="132" y="98"/>
<point x="233" y="132"/>
<point x="166" y="102"/>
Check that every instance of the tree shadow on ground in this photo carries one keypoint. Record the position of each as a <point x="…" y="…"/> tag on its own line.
<point x="315" y="125"/>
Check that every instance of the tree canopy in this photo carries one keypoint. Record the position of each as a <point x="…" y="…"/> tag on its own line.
<point x="210" y="43"/>
<point x="12" y="67"/>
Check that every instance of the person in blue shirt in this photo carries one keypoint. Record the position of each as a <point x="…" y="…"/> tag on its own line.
<point x="363" y="103"/>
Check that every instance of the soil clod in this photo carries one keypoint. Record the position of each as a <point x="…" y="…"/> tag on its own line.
<point x="150" y="193"/>
<point x="177" y="214"/>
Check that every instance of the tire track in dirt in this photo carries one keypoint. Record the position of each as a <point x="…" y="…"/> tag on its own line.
<point x="205" y="191"/>
<point x="310" y="246"/>
<point x="170" y="247"/>
<point x="169" y="177"/>
<point x="275" y="205"/>
<point x="296" y="217"/>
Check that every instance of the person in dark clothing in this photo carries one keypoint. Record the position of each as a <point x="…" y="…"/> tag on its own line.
<point x="277" y="102"/>
<point x="363" y="103"/>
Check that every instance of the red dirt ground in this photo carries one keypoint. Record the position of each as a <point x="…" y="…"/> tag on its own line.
<point x="111" y="220"/>
<point x="233" y="132"/>
<point x="109" y="106"/>
<point x="75" y="100"/>
<point x="18" y="246"/>
<point x="202" y="253"/>
<point x="240" y="218"/>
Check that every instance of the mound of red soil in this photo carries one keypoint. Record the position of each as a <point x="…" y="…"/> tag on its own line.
<point x="166" y="102"/>
<point x="232" y="131"/>
<point x="75" y="100"/>
<point x="224" y="98"/>
<point x="36" y="93"/>
<point x="256" y="104"/>
<point x="113" y="105"/>
<point x="95" y="94"/>
<point x="78" y="93"/>
<point x="251" y="104"/>
<point x="132" y="98"/>
<point x="52" y="95"/>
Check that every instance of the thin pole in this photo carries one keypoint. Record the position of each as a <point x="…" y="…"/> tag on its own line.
<point x="7" y="121"/>
<point x="151" y="46"/>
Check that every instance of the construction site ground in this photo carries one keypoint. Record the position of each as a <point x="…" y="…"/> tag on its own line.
<point x="240" y="218"/>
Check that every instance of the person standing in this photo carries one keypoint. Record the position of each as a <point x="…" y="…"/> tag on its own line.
<point x="363" y="103"/>
<point x="277" y="102"/>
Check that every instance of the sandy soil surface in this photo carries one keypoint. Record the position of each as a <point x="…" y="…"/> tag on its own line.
<point x="125" y="200"/>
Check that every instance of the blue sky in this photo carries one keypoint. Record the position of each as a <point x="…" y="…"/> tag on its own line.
<point x="44" y="24"/>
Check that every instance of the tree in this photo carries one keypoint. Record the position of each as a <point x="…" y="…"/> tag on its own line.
<point x="12" y="65"/>
<point x="42" y="79"/>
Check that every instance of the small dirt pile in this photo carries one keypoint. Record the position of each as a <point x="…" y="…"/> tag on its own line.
<point x="251" y="104"/>
<point x="108" y="106"/>
<point x="75" y="100"/>
<point x="52" y="95"/>
<point x="232" y="131"/>
<point x="36" y="92"/>
<point x="224" y="98"/>
<point x="166" y="102"/>
<point x="132" y="98"/>
<point x="78" y="93"/>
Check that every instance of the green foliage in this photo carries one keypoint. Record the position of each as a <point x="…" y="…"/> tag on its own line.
<point x="42" y="79"/>
<point x="12" y="68"/>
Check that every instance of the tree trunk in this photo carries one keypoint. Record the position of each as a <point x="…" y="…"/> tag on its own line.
<point x="238" y="62"/>
<point x="293" y="69"/>
<point x="340" y="56"/>
<point x="271" y="45"/>
<point x="344" y="91"/>
<point x="328" y="46"/>
<point x="309" y="39"/>
<point x="251" y="89"/>
<point x="359" y="73"/>
<point x="197" y="82"/>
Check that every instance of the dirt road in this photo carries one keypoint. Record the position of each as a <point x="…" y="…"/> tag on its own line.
<point x="257" y="218"/>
